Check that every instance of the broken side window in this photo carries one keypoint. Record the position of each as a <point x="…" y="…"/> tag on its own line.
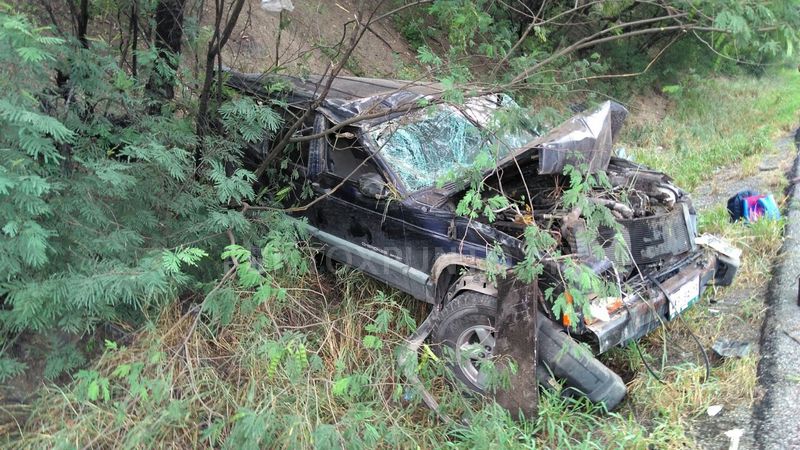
<point x="346" y="157"/>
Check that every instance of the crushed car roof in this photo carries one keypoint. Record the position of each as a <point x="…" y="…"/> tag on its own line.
<point x="348" y="97"/>
<point x="586" y="138"/>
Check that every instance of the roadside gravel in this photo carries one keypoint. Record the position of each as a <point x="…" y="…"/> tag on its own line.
<point x="778" y="414"/>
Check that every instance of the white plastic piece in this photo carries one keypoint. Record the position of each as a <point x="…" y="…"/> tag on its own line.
<point x="276" y="6"/>
<point x="599" y="312"/>
<point x="713" y="410"/>
<point x="671" y="197"/>
<point x="734" y="434"/>
<point x="719" y="245"/>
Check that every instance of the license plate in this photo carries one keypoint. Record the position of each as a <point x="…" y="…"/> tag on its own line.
<point x="684" y="297"/>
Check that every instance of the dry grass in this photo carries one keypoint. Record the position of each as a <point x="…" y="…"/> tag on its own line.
<point x="704" y="143"/>
<point x="268" y="379"/>
<point x="184" y="383"/>
<point x="750" y="165"/>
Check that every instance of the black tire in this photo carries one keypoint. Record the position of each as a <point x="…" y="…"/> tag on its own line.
<point x="559" y="354"/>
<point x="466" y="310"/>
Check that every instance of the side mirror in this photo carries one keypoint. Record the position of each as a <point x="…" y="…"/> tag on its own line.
<point x="371" y="185"/>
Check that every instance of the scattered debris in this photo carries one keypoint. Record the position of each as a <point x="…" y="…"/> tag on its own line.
<point x="729" y="255"/>
<point x="728" y="348"/>
<point x="516" y="338"/>
<point x="276" y="6"/>
<point x="734" y="434"/>
<point x="621" y="152"/>
<point x="793" y="336"/>
<point x="713" y="410"/>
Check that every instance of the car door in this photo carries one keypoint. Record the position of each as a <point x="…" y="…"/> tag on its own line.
<point x="365" y="232"/>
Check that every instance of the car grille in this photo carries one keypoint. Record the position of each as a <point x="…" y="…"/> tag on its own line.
<point x="650" y="239"/>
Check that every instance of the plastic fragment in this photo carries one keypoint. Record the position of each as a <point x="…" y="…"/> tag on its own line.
<point x="565" y="320"/>
<point x="621" y="152"/>
<point x="713" y="410"/>
<point x="599" y="312"/>
<point x="734" y="434"/>
<point x="728" y="348"/>
<point x="276" y="6"/>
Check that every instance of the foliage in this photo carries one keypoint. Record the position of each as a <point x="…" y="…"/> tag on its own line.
<point x="98" y="193"/>
<point x="597" y="39"/>
<point x="699" y="136"/>
<point x="577" y="282"/>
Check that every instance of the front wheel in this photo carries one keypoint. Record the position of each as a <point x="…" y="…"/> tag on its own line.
<point x="466" y="329"/>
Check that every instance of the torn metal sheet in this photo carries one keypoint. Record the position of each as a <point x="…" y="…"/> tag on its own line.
<point x="348" y="97"/>
<point x="585" y="139"/>
<point x="516" y="339"/>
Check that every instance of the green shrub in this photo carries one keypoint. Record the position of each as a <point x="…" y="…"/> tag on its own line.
<point x="98" y="195"/>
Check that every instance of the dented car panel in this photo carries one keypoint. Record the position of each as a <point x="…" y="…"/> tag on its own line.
<point x="641" y="312"/>
<point x="585" y="139"/>
<point x="658" y="226"/>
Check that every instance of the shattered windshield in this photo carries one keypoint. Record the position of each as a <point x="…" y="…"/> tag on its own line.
<point x="428" y="143"/>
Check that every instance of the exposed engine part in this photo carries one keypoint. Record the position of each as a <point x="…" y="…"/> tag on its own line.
<point x="667" y="196"/>
<point x="624" y="210"/>
<point x="633" y="177"/>
<point x="671" y="193"/>
<point x="570" y="226"/>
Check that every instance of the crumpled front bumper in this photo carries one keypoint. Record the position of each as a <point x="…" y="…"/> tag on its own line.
<point x="649" y="307"/>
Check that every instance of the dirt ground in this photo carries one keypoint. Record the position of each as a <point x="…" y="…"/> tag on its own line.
<point x="650" y="107"/>
<point x="308" y="39"/>
<point x="724" y="183"/>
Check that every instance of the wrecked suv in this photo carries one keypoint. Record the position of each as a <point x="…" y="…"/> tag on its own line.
<point x="368" y="164"/>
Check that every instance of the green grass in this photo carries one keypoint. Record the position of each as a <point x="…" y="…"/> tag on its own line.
<point x="727" y="124"/>
<point x="717" y="122"/>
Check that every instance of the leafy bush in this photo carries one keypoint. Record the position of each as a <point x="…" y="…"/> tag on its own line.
<point x="98" y="194"/>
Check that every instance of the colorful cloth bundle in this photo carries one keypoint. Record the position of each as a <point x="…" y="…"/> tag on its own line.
<point x="752" y="206"/>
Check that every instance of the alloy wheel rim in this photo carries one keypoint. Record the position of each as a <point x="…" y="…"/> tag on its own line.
<point x="474" y="346"/>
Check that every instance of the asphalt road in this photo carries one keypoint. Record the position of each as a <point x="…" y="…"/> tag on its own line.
<point x="778" y="414"/>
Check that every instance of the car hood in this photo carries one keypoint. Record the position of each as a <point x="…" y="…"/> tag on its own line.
<point x="585" y="139"/>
